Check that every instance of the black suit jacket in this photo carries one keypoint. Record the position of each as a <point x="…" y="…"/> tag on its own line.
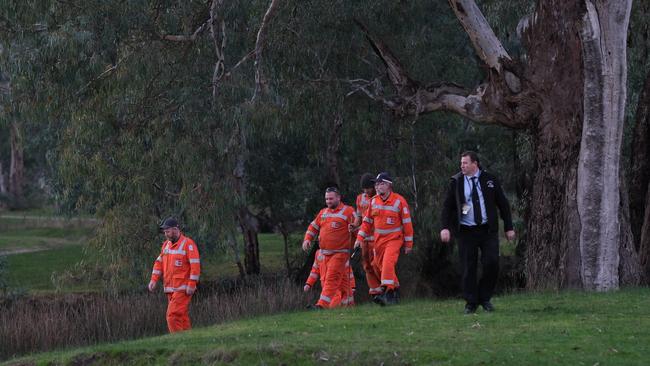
<point x="493" y="197"/>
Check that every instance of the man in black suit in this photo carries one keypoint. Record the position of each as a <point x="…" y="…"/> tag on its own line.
<point x="470" y="212"/>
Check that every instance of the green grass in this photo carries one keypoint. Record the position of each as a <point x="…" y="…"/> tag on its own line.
<point x="33" y="271"/>
<point x="271" y="257"/>
<point x="526" y="329"/>
<point x="42" y="238"/>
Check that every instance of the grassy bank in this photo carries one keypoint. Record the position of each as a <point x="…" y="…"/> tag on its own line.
<point x="526" y="329"/>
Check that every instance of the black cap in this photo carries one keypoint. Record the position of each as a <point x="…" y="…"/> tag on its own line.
<point x="169" y="223"/>
<point x="384" y="177"/>
<point x="367" y="181"/>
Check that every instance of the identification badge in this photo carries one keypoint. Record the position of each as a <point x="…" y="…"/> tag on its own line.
<point x="178" y="263"/>
<point x="390" y="221"/>
<point x="335" y="225"/>
<point x="465" y="208"/>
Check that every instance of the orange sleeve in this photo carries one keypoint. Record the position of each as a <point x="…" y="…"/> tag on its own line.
<point x="314" y="275"/>
<point x="405" y="213"/>
<point x="314" y="228"/>
<point x="367" y="225"/>
<point x="157" y="266"/>
<point x="357" y="210"/>
<point x="195" y="264"/>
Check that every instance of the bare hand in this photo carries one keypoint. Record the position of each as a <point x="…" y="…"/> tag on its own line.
<point x="152" y="286"/>
<point x="510" y="235"/>
<point x="306" y="245"/>
<point x="408" y="250"/>
<point x="190" y="290"/>
<point x="445" y="235"/>
<point x="352" y="228"/>
<point x="357" y="244"/>
<point x="306" y="288"/>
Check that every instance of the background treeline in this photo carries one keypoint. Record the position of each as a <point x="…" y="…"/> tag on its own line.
<point x="134" y="111"/>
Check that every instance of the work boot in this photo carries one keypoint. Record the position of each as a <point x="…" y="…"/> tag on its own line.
<point x="380" y="299"/>
<point x="470" y="308"/>
<point x="487" y="306"/>
<point x="314" y="307"/>
<point x="392" y="297"/>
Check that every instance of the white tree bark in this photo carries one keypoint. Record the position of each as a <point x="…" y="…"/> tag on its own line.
<point x="604" y="35"/>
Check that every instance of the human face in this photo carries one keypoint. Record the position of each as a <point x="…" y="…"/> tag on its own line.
<point x="172" y="234"/>
<point x="332" y="199"/>
<point x="467" y="166"/>
<point x="383" y="188"/>
<point x="369" y="191"/>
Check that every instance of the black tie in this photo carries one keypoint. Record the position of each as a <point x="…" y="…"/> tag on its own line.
<point x="476" y="203"/>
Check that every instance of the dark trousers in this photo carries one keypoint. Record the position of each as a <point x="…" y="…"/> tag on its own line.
<point x="470" y="240"/>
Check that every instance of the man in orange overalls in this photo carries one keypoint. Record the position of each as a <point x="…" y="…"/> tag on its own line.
<point x="180" y="266"/>
<point x="367" y="249"/>
<point x="331" y="227"/>
<point x="388" y="220"/>
<point x="319" y="270"/>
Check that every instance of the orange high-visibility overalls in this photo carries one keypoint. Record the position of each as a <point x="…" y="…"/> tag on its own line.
<point x="331" y="227"/>
<point x="389" y="221"/>
<point x="367" y="249"/>
<point x="180" y="266"/>
<point x="345" y="295"/>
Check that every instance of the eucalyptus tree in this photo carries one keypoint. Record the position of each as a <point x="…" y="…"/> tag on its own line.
<point x="569" y="89"/>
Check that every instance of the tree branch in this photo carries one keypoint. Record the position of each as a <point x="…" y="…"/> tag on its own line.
<point x="185" y="38"/>
<point x="260" y="81"/>
<point x="493" y="101"/>
<point x="487" y="45"/>
<point x="219" y="44"/>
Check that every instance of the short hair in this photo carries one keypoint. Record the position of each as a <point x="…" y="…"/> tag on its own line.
<point x="472" y="155"/>
<point x="367" y="180"/>
<point x="332" y="189"/>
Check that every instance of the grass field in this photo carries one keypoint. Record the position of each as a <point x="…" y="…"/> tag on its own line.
<point x="38" y="243"/>
<point x="567" y="328"/>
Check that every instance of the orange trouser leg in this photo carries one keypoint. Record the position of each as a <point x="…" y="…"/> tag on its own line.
<point x="386" y="256"/>
<point x="331" y="282"/>
<point x="347" y="297"/>
<point x="178" y="318"/>
<point x="367" y="256"/>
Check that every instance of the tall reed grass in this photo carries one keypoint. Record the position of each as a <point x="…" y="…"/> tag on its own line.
<point x="43" y="323"/>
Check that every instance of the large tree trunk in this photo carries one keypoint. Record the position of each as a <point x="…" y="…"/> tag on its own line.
<point x="640" y="162"/>
<point x="640" y="179"/>
<point x="602" y="238"/>
<point x="570" y="92"/>
<point x="552" y="255"/>
<point x="575" y="227"/>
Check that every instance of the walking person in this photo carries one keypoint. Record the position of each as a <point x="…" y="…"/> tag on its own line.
<point x="180" y="266"/>
<point x="388" y="221"/>
<point x="470" y="214"/>
<point x="367" y="248"/>
<point x="331" y="227"/>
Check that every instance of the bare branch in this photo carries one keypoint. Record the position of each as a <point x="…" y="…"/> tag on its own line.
<point x="398" y="77"/>
<point x="487" y="103"/>
<point x="218" y="33"/>
<point x="185" y="38"/>
<point x="260" y="82"/>
<point x="487" y="45"/>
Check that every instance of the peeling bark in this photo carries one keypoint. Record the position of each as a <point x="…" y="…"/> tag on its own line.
<point x="604" y="46"/>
